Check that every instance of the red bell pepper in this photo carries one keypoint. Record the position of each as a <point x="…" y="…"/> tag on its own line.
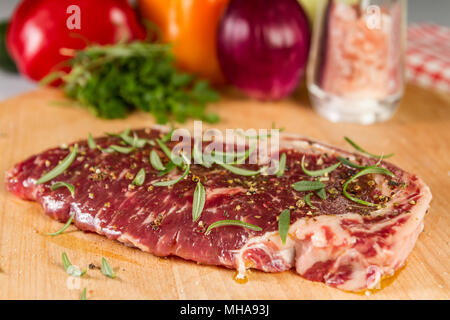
<point x="39" y="29"/>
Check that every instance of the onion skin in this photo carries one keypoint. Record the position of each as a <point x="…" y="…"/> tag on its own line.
<point x="263" y="46"/>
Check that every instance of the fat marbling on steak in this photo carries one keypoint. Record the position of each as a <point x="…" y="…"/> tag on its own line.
<point x="337" y="241"/>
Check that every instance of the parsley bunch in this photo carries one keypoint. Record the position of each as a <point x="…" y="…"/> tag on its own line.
<point x="114" y="80"/>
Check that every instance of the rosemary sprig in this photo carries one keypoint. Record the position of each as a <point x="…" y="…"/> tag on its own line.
<point x="228" y="155"/>
<point x="168" y="136"/>
<point x="365" y="171"/>
<point x="91" y="142"/>
<point x="232" y="157"/>
<point x="357" y="147"/>
<point x="222" y="223"/>
<point x="198" y="202"/>
<point x="247" y="153"/>
<point x="308" y="201"/>
<point x="197" y="155"/>
<point x="349" y="163"/>
<point x="140" y="178"/>
<point x="322" y="194"/>
<point x="60" y="168"/>
<point x="83" y="294"/>
<point x="318" y="173"/>
<point x="172" y="182"/>
<point x="107" y="270"/>
<point x="65" y="261"/>
<point x="284" y="222"/>
<point x="134" y="141"/>
<point x="308" y="185"/>
<point x="155" y="161"/>
<point x="61" y="184"/>
<point x="72" y="270"/>
<point x="176" y="160"/>
<point x="123" y="150"/>
<point x="239" y="171"/>
<point x="68" y="223"/>
<point x="281" y="165"/>
<point x="169" y="167"/>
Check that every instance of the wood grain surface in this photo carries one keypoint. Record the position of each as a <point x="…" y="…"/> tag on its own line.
<point x="30" y="262"/>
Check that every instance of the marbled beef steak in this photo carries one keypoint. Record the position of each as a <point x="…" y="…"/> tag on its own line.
<point x="337" y="241"/>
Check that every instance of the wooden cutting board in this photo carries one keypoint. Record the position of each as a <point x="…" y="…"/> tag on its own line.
<point x="30" y="262"/>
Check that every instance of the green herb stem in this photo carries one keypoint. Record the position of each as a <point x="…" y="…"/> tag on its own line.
<point x="168" y="136"/>
<point x="168" y="153"/>
<point x="140" y="178"/>
<point x="234" y="157"/>
<point x="197" y="155"/>
<point x="308" y="185"/>
<point x="238" y="223"/>
<point x="91" y="142"/>
<point x="357" y="147"/>
<point x="308" y="201"/>
<point x="318" y="173"/>
<point x="61" y="184"/>
<point x="123" y="150"/>
<point x="65" y="261"/>
<point x="284" y="222"/>
<point x="60" y="168"/>
<point x="155" y="161"/>
<point x="198" y="202"/>
<point x="322" y="194"/>
<point x="238" y="171"/>
<point x="281" y="165"/>
<point x="83" y="294"/>
<point x="72" y="270"/>
<point x="349" y="163"/>
<point x="172" y="182"/>
<point x="107" y="270"/>
<point x="247" y="153"/>
<point x="367" y="170"/>
<point x="68" y="223"/>
<point x="169" y="167"/>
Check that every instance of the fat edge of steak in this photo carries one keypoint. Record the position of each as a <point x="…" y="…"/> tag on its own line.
<point x="349" y="251"/>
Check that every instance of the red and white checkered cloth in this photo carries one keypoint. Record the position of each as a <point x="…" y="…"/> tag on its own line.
<point x="428" y="56"/>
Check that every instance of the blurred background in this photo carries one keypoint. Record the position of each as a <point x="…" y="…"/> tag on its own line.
<point x="355" y="73"/>
<point x="435" y="11"/>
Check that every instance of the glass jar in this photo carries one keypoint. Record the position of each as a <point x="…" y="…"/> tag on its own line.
<point x="356" y="67"/>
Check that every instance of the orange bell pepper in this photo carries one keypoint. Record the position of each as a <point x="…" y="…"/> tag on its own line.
<point x="191" y="27"/>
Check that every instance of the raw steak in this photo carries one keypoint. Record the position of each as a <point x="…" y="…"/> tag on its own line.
<point x="339" y="242"/>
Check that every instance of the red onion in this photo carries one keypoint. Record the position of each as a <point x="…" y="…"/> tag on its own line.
<point x="263" y="46"/>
